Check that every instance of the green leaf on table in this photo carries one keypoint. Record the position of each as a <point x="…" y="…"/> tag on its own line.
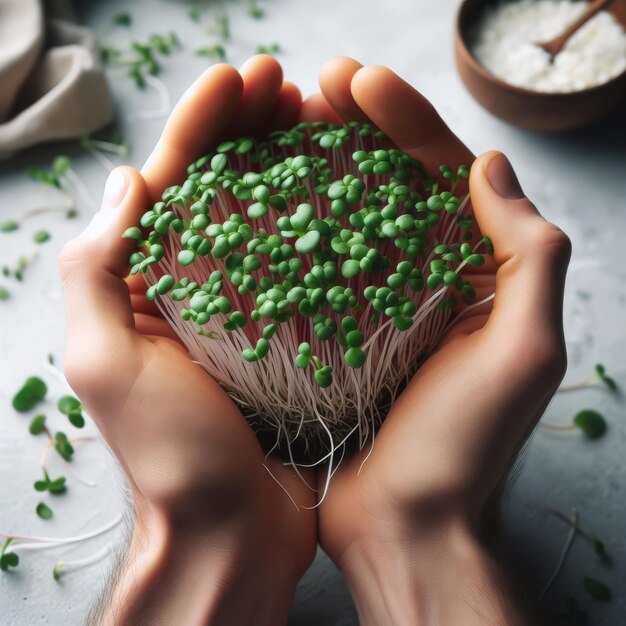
<point x="37" y="425"/>
<point x="61" y="165"/>
<point x="63" y="446"/>
<point x="71" y="406"/>
<point x="214" y="52"/>
<point x="8" y="559"/>
<point x="591" y="423"/>
<point x="41" y="236"/>
<point x="55" y="486"/>
<point x="597" y="589"/>
<point x="44" y="511"/>
<point x="9" y="226"/>
<point x="33" y="391"/>
<point x="45" y="177"/>
<point x="123" y="19"/>
<point x="57" y="572"/>
<point x="271" y="49"/>
<point x="607" y="380"/>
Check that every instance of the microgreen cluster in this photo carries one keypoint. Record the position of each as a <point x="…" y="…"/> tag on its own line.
<point x="32" y="393"/>
<point x="320" y="246"/>
<point x="142" y="57"/>
<point x="271" y="49"/>
<point x="59" y="176"/>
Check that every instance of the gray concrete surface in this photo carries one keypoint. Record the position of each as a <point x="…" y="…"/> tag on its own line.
<point x="577" y="180"/>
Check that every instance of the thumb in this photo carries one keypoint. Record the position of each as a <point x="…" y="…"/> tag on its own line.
<point x="93" y="267"/>
<point x="531" y="255"/>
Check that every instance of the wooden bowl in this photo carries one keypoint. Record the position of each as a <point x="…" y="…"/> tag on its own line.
<point x="534" y="110"/>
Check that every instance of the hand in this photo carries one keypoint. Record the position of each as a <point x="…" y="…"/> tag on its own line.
<point x="215" y="538"/>
<point x="409" y="529"/>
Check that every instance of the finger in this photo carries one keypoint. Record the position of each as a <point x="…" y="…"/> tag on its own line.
<point x="335" y="80"/>
<point x="287" y="107"/>
<point x="93" y="265"/>
<point x="262" y="80"/>
<point x="316" y="109"/>
<point x="408" y="118"/>
<point x="194" y="125"/>
<point x="151" y="326"/>
<point x="532" y="255"/>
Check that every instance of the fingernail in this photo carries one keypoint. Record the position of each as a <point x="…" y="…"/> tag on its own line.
<point x="115" y="189"/>
<point x="502" y="178"/>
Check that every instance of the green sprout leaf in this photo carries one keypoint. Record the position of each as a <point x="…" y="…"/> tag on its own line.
<point x="57" y="571"/>
<point x="44" y="511"/>
<point x="607" y="380"/>
<point x="123" y="19"/>
<point x="61" y="164"/>
<point x="63" y="446"/>
<point x="71" y="406"/>
<point x="32" y="392"/>
<point x="9" y="226"/>
<point x="37" y="425"/>
<point x="214" y="52"/>
<point x="5" y="294"/>
<point x="591" y="423"/>
<point x="41" y="236"/>
<point x="8" y="559"/>
<point x="271" y="49"/>
<point x="68" y="403"/>
<point x="54" y="486"/>
<point x="597" y="589"/>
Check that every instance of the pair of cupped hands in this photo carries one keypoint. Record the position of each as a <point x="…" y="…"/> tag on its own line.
<point x="215" y="537"/>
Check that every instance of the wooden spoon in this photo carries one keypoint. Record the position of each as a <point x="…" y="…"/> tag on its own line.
<point x="554" y="46"/>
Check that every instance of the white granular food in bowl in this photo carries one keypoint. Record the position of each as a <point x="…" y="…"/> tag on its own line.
<point x="505" y="37"/>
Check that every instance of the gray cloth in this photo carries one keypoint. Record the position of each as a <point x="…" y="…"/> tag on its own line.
<point x="51" y="83"/>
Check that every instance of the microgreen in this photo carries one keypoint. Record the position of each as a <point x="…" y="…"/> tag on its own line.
<point x="607" y="380"/>
<point x="54" y="486"/>
<point x="253" y="9"/>
<point x="8" y="559"/>
<point x="31" y="393"/>
<point x="317" y="233"/>
<point x="9" y="226"/>
<point x="17" y="272"/>
<point x="122" y="19"/>
<point x="597" y="589"/>
<point x="215" y="52"/>
<point x="63" y="446"/>
<point x="597" y="545"/>
<point x="599" y="376"/>
<point x="221" y="26"/>
<point x="41" y="236"/>
<point x="272" y="49"/>
<point x="62" y="177"/>
<point x="194" y="14"/>
<point x="5" y="294"/>
<point x="141" y="59"/>
<point x="57" y="571"/>
<point x="71" y="406"/>
<point x="44" y="511"/>
<point x="37" y="425"/>
<point x="591" y="423"/>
